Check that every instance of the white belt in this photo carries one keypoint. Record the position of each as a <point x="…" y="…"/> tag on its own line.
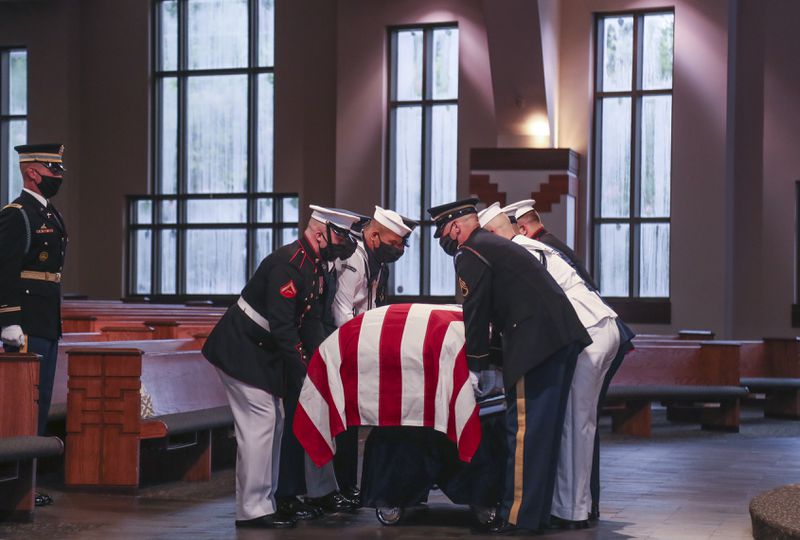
<point x="254" y="315"/>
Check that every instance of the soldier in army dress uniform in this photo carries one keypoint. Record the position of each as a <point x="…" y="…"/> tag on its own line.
<point x="504" y="286"/>
<point x="34" y="241"/>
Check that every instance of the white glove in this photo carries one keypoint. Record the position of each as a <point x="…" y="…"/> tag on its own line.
<point x="13" y="336"/>
<point x="473" y="378"/>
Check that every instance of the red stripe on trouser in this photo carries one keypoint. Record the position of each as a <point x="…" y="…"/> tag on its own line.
<point x="309" y="436"/>
<point x="438" y="323"/>
<point x="349" y="335"/>
<point x="391" y="368"/>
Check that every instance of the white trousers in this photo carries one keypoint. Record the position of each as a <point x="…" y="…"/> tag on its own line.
<point x="572" y="497"/>
<point x="258" y="419"/>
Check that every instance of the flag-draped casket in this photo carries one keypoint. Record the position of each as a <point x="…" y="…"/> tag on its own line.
<point x="399" y="365"/>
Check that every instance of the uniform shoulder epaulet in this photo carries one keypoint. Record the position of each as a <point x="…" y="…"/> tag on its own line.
<point x="12" y="205"/>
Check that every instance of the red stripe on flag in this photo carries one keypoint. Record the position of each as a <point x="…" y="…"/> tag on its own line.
<point x="309" y="436"/>
<point x="318" y="375"/>
<point x="438" y="322"/>
<point x="391" y="370"/>
<point x="349" y="335"/>
<point x="470" y="437"/>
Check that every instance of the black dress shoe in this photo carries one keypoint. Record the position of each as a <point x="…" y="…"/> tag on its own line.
<point x="332" y="503"/>
<point x="501" y="526"/>
<point x="270" y="521"/>
<point x="352" y="494"/>
<point x="567" y="524"/>
<point x="42" y="499"/>
<point x="294" y="508"/>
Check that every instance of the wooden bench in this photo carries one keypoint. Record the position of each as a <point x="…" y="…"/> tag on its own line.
<point x="58" y="404"/>
<point x="772" y="368"/>
<point x="691" y="335"/>
<point x="19" y="445"/>
<point x="168" y="321"/>
<point x="697" y="382"/>
<point x="108" y="439"/>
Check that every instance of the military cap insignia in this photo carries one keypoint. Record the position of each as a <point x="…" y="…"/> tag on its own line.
<point x="463" y="286"/>
<point x="43" y="256"/>
<point x="288" y="290"/>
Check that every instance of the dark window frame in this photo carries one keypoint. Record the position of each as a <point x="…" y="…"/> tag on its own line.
<point x="5" y="119"/>
<point x="633" y="305"/>
<point x="426" y="104"/>
<point x="182" y="74"/>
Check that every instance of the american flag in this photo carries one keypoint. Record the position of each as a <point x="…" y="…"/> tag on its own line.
<point x="399" y="365"/>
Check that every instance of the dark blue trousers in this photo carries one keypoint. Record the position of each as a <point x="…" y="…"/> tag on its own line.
<point x="345" y="461"/>
<point x="535" y="408"/>
<point x="48" y="350"/>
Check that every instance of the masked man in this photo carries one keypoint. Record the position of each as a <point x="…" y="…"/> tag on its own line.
<point x="260" y="347"/>
<point x="504" y="286"/>
<point x="361" y="285"/>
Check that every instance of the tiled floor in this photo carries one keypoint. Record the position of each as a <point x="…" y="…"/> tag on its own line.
<point x="681" y="484"/>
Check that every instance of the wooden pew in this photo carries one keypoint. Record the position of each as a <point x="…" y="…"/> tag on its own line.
<point x="19" y="444"/>
<point x="107" y="438"/>
<point x="772" y="368"/>
<point x="58" y="404"/>
<point x="698" y="382"/>
<point x="690" y="335"/>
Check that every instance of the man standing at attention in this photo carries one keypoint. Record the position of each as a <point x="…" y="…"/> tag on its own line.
<point x="261" y="346"/>
<point x="34" y="241"/>
<point x="504" y="286"/>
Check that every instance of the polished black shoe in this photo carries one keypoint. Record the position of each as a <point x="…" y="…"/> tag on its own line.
<point x="567" y="524"/>
<point x="294" y="508"/>
<point x="270" y="521"/>
<point x="42" y="499"/>
<point x="352" y="494"/>
<point x="332" y="503"/>
<point x="500" y="526"/>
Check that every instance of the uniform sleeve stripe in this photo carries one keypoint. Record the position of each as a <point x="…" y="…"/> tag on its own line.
<point x="10" y="309"/>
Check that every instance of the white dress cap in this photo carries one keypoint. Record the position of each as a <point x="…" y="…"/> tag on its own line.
<point x="519" y="208"/>
<point x="392" y="221"/>
<point x="337" y="218"/>
<point x="489" y="213"/>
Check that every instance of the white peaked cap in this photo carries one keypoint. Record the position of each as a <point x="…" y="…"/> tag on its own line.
<point x="335" y="217"/>
<point x="519" y="208"/>
<point x="489" y="213"/>
<point x="392" y="221"/>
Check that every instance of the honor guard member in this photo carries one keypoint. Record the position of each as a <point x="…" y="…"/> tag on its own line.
<point x="260" y="347"/>
<point x="503" y="286"/>
<point x="571" y="499"/>
<point x="529" y="224"/>
<point x="298" y="474"/>
<point x="361" y="286"/>
<point x="34" y="241"/>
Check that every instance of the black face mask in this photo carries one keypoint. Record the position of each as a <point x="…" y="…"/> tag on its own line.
<point x="449" y="245"/>
<point x="386" y="253"/>
<point x="342" y="251"/>
<point x="49" y="186"/>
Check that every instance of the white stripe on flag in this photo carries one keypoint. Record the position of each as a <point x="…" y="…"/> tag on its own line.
<point x="465" y="404"/>
<point x="317" y="410"/>
<point x="411" y="358"/>
<point x="453" y="342"/>
<point x="332" y="357"/>
<point x="369" y="366"/>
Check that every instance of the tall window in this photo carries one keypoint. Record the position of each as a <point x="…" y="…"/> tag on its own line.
<point x="632" y="148"/>
<point x="213" y="90"/>
<point x="13" y="118"/>
<point x="423" y="148"/>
